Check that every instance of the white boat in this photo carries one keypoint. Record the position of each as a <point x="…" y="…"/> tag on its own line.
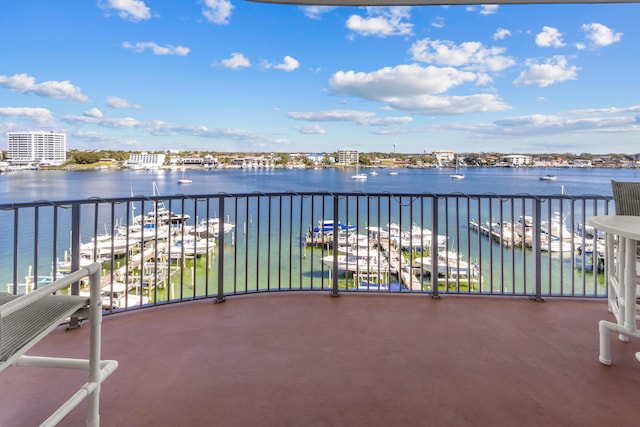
<point x="211" y="227"/>
<point x="117" y="295"/>
<point x="555" y="245"/>
<point x="105" y="244"/>
<point x="450" y="265"/>
<point x="392" y="173"/>
<point x="548" y="177"/>
<point x="184" y="180"/>
<point x="161" y="216"/>
<point x="359" y="176"/>
<point x="456" y="174"/>
<point x="373" y="173"/>
<point x="191" y="248"/>
<point x="326" y="226"/>
<point x="359" y="261"/>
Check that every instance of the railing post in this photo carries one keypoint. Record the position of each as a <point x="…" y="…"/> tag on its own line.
<point x="535" y="247"/>
<point x="434" y="249"/>
<point x="220" y="243"/>
<point x="75" y="256"/>
<point x="334" y="267"/>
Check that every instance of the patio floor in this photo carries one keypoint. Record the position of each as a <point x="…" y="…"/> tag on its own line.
<point x="307" y="359"/>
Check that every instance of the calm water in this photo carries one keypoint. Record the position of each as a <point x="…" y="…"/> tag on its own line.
<point x="30" y="186"/>
<point x="62" y="185"/>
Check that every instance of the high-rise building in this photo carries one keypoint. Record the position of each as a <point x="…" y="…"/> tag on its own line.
<point x="348" y="157"/>
<point x="36" y="148"/>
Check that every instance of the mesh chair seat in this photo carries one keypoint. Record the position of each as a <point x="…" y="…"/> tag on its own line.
<point x="20" y="328"/>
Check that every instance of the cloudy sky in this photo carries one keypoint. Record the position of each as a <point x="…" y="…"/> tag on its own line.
<point x="220" y="75"/>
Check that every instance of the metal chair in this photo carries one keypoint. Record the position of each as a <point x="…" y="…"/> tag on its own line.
<point x="27" y="319"/>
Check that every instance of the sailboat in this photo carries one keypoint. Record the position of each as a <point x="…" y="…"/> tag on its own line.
<point x="548" y="176"/>
<point x="358" y="175"/>
<point x="456" y="174"/>
<point x="184" y="180"/>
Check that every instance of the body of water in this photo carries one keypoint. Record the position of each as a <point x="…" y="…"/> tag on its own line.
<point x="27" y="186"/>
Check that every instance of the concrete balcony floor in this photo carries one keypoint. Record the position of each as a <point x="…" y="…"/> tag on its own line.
<point x="306" y="359"/>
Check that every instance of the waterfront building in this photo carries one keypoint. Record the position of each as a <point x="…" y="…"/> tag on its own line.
<point x="36" y="148"/>
<point x="516" y="159"/>
<point x="444" y="156"/>
<point x="582" y="163"/>
<point x="316" y="158"/>
<point x="145" y="161"/>
<point x="348" y="157"/>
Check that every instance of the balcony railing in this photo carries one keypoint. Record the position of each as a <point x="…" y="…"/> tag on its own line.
<point x="158" y="250"/>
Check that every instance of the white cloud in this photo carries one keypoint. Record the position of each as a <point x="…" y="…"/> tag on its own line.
<point x="382" y="22"/>
<point x="310" y="129"/>
<point x="236" y="61"/>
<point x="157" y="49"/>
<point x="488" y="9"/>
<point x="217" y="11"/>
<point x="610" y="110"/>
<point x="363" y="118"/>
<point x="553" y="70"/>
<point x="41" y="115"/>
<point x="438" y="22"/>
<point x="539" y="124"/>
<point x="93" y="112"/>
<point x="412" y="88"/>
<point x="316" y="12"/>
<point x="448" y="105"/>
<point x="399" y="81"/>
<point x="289" y="64"/>
<point x="469" y="55"/>
<point x="50" y="89"/>
<point x="133" y="10"/>
<point x="332" y="116"/>
<point x="601" y="35"/>
<point x="501" y="34"/>
<point x="116" y="102"/>
<point x="162" y="128"/>
<point x="387" y="121"/>
<point x="485" y="9"/>
<point x="549" y="37"/>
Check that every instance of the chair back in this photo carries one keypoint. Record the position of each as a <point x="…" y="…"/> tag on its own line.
<point x="626" y="197"/>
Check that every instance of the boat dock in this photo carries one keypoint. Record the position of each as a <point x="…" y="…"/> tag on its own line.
<point x="499" y="233"/>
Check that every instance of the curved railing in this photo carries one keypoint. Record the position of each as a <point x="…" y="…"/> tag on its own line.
<point x="217" y="245"/>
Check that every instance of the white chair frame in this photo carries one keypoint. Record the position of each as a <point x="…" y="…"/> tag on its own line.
<point x="27" y="319"/>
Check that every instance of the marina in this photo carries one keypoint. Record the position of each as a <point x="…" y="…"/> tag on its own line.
<point x="381" y="239"/>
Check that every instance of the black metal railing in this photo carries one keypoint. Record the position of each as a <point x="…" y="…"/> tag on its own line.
<point x="157" y="250"/>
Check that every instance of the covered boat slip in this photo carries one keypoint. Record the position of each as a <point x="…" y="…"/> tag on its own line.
<point x="300" y="358"/>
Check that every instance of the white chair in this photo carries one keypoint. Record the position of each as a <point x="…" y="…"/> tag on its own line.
<point x="27" y="319"/>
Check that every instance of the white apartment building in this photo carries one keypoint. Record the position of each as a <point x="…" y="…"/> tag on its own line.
<point x="516" y="159"/>
<point x="444" y="156"/>
<point x="145" y="161"/>
<point x="36" y="148"/>
<point x="348" y="157"/>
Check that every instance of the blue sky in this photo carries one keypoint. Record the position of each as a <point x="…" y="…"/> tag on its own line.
<point x="237" y="76"/>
